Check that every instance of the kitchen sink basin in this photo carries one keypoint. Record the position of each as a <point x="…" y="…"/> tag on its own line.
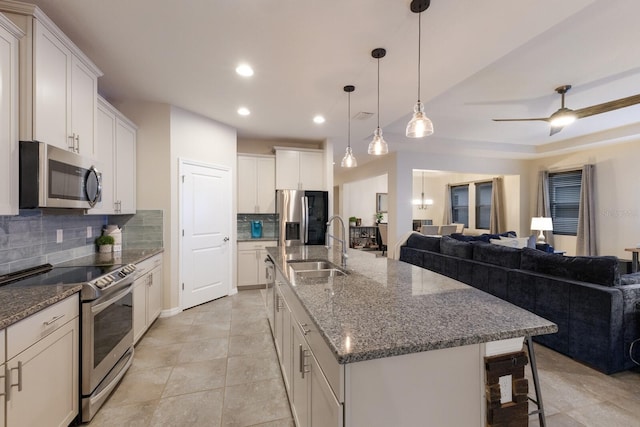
<point x="315" y="269"/>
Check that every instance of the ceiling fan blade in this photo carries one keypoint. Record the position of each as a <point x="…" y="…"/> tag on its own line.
<point x="608" y="106"/>
<point x="555" y="130"/>
<point x="521" y="120"/>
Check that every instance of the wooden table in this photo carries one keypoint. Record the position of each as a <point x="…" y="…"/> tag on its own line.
<point x="634" y="258"/>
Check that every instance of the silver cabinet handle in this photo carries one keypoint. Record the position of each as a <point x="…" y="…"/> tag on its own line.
<point x="53" y="320"/>
<point x="303" y="364"/>
<point x="5" y="386"/>
<point x="8" y="382"/>
<point x="303" y="326"/>
<point x="77" y="142"/>
<point x="72" y="145"/>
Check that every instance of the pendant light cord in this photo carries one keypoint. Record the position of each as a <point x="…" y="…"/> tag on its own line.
<point x="349" y="121"/>
<point x="378" y="92"/>
<point x="419" y="49"/>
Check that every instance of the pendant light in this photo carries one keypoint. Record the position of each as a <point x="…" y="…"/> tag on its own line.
<point x="419" y="125"/>
<point x="423" y="203"/>
<point x="378" y="146"/>
<point x="349" y="161"/>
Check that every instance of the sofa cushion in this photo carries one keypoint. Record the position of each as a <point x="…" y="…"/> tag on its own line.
<point x="453" y="247"/>
<point x="426" y="243"/>
<point x="602" y="270"/>
<point x="504" y="256"/>
<point x="630" y="279"/>
<point x="483" y="237"/>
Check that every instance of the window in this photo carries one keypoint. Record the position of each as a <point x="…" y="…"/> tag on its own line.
<point x="483" y="204"/>
<point x="564" y="198"/>
<point x="460" y="204"/>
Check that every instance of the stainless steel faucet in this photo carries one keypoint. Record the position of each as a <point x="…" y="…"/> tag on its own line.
<point x="343" y="240"/>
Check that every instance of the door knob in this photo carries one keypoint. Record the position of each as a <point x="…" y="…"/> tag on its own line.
<point x="226" y="239"/>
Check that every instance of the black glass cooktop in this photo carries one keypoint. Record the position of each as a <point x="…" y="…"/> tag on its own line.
<point x="60" y="276"/>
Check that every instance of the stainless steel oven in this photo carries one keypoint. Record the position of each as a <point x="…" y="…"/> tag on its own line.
<point x="107" y="336"/>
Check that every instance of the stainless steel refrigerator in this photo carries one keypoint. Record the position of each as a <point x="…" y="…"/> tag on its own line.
<point x="303" y="216"/>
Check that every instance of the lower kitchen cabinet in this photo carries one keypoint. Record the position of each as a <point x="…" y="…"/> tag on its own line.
<point x="3" y="377"/>
<point x="251" y="269"/>
<point x="42" y="367"/>
<point x="147" y="295"/>
<point x="283" y="333"/>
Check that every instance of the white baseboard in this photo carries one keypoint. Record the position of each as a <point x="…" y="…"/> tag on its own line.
<point x="170" y="312"/>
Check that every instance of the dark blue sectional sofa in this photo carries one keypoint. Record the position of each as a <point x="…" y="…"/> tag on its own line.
<point x="597" y="315"/>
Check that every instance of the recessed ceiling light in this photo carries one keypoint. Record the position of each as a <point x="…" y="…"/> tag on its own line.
<point x="244" y="111"/>
<point x="318" y="119"/>
<point x="244" y="70"/>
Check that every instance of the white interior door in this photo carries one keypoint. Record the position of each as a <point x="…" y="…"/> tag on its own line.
<point x="206" y="227"/>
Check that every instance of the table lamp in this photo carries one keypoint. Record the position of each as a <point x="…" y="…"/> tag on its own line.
<point x="542" y="224"/>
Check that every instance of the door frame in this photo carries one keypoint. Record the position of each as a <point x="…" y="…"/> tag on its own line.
<point x="182" y="162"/>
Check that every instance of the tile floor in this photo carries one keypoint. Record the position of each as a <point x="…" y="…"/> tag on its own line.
<point x="212" y="365"/>
<point x="215" y="365"/>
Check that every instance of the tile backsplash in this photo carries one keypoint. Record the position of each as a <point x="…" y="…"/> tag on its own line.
<point x="29" y="239"/>
<point x="270" y="225"/>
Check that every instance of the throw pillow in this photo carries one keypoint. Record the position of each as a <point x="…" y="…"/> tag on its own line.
<point x="512" y="242"/>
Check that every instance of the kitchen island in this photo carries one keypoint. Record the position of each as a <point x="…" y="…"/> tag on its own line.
<point x="388" y="343"/>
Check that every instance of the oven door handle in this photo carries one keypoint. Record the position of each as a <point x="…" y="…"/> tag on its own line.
<point x="95" y="309"/>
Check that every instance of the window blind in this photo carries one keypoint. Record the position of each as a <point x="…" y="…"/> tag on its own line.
<point x="460" y="204"/>
<point x="483" y="204"/>
<point x="564" y="197"/>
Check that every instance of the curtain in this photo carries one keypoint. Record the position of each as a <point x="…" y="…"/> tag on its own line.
<point x="543" y="205"/>
<point x="497" y="215"/>
<point x="586" y="243"/>
<point x="446" y="217"/>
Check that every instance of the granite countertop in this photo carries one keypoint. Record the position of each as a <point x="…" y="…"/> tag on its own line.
<point x="385" y="307"/>
<point x="18" y="302"/>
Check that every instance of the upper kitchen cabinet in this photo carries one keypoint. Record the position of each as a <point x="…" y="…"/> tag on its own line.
<point x="9" y="36"/>
<point x="298" y="169"/>
<point x="116" y="152"/>
<point x="256" y="184"/>
<point x="58" y="84"/>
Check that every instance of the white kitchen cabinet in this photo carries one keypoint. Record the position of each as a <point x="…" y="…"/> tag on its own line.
<point x="251" y="268"/>
<point x="116" y="149"/>
<point x="9" y="153"/>
<point x="147" y="295"/>
<point x="299" y="169"/>
<point x="3" y="376"/>
<point x="256" y="184"/>
<point x="43" y="367"/>
<point x="58" y="84"/>
<point x="282" y="336"/>
<point x="300" y="382"/>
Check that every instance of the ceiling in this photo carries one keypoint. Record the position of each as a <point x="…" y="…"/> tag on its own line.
<point x="480" y="60"/>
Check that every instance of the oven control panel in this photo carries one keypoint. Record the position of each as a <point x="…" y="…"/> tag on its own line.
<point x="111" y="278"/>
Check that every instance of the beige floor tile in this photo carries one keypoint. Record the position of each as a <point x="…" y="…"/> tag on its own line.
<point x="140" y="386"/>
<point x="209" y="349"/>
<point x="202" y="331"/>
<point x="248" y="344"/>
<point x="558" y="420"/>
<point x="241" y="402"/>
<point x="198" y="376"/>
<point x="604" y="414"/>
<point x="195" y="409"/>
<point x="146" y="357"/>
<point x="286" y="422"/>
<point x="219" y="304"/>
<point x="136" y="415"/>
<point x="251" y="368"/>
<point x="249" y="326"/>
<point x="213" y="317"/>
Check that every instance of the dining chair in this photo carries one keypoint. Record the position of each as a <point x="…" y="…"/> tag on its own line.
<point x="382" y="229"/>
<point x="446" y="230"/>
<point x="430" y="230"/>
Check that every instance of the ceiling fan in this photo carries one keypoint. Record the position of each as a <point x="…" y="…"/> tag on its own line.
<point x="565" y="116"/>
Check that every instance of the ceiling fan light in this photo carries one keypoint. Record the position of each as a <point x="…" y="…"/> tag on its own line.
<point x="562" y="117"/>
<point x="378" y="146"/>
<point x="420" y="125"/>
<point x="349" y="160"/>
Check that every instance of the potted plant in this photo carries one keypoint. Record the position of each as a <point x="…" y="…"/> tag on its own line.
<point x="352" y="221"/>
<point x="105" y="244"/>
<point x="379" y="217"/>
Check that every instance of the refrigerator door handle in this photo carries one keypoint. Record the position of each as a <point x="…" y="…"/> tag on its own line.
<point x="305" y="220"/>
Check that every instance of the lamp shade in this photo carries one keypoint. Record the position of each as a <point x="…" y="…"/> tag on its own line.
<point x="540" y="223"/>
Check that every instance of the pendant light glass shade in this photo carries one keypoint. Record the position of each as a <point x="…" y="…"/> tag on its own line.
<point x="378" y="146"/>
<point x="420" y="125"/>
<point x="349" y="160"/>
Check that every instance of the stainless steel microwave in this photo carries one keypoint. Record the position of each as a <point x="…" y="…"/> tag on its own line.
<point x="55" y="178"/>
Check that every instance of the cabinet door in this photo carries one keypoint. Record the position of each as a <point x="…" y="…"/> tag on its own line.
<point x="125" y="167"/>
<point x="300" y="377"/>
<point x="49" y="380"/>
<point x="52" y="91"/>
<point x="247" y="268"/>
<point x="266" y="184"/>
<point x="84" y="92"/>
<point x="278" y="322"/>
<point x="287" y="170"/>
<point x="105" y="154"/>
<point x="247" y="178"/>
<point x="139" y="307"/>
<point x="8" y="123"/>
<point x="326" y="411"/>
<point x="311" y="170"/>
<point x="154" y="295"/>
<point x="287" y="352"/>
<point x="262" y="269"/>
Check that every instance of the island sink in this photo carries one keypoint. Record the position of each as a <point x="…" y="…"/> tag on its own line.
<point x="315" y="269"/>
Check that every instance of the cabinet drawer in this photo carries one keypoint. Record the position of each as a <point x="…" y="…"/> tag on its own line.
<point x="148" y="264"/>
<point x="260" y="245"/>
<point x="37" y="326"/>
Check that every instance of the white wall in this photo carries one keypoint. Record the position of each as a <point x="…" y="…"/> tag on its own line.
<point x="360" y="198"/>
<point x="617" y="195"/>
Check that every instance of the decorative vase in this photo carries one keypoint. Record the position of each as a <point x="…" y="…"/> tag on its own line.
<point x="104" y="249"/>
